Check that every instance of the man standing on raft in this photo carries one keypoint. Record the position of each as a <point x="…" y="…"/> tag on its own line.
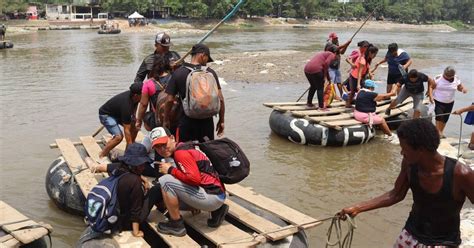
<point x="439" y="185"/>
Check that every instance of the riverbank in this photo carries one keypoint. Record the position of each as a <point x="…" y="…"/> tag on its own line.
<point x="186" y="26"/>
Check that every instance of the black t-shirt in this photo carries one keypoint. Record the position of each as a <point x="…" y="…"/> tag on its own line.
<point x="120" y="107"/>
<point x="365" y="101"/>
<point x="130" y="192"/>
<point x="416" y="87"/>
<point x="177" y="82"/>
<point x="148" y="61"/>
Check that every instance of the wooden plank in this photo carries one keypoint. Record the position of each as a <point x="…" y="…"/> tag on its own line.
<point x="172" y="241"/>
<point x="126" y="239"/>
<point x="303" y="107"/>
<point x="258" y="223"/>
<point x="286" y="213"/>
<point x="226" y="235"/>
<point x="84" y="178"/>
<point x="317" y="112"/>
<point x="272" y="104"/>
<point x="17" y="220"/>
<point x="123" y="144"/>
<point x="92" y="148"/>
<point x="54" y="145"/>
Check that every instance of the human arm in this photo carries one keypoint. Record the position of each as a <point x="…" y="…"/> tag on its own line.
<point x="342" y="48"/>
<point x="136" y="195"/>
<point x="142" y="72"/>
<point x="391" y="197"/>
<point x="189" y="174"/>
<point x="465" y="109"/>
<point x="407" y="64"/>
<point x="463" y="182"/>
<point x="349" y="61"/>
<point x="384" y="96"/>
<point x="462" y="89"/>
<point x="220" y="123"/>
<point x="431" y="82"/>
<point x="359" y="75"/>
<point x="379" y="63"/>
<point x="141" y="110"/>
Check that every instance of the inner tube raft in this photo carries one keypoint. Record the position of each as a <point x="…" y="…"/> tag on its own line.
<point x="62" y="188"/>
<point x="4" y="44"/>
<point x="301" y="131"/>
<point x="111" y="31"/>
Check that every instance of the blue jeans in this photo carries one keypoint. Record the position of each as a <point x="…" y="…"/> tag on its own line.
<point x="110" y="124"/>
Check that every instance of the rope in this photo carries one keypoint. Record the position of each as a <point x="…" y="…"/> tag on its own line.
<point x="266" y="234"/>
<point x="341" y="242"/>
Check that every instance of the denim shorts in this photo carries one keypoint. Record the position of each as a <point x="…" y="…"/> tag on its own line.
<point x="335" y="75"/>
<point x="110" y="124"/>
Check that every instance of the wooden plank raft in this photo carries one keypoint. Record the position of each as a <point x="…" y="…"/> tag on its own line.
<point x="19" y="228"/>
<point x="227" y="235"/>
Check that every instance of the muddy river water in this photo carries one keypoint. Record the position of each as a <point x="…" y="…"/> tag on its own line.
<point x="53" y="82"/>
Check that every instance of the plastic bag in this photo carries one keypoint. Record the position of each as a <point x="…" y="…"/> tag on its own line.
<point x="431" y="109"/>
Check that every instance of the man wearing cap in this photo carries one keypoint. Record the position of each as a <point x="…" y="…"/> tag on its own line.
<point x="162" y="47"/>
<point x="334" y="72"/>
<point x="190" y="184"/>
<point x="190" y="129"/>
<point x="120" y="110"/>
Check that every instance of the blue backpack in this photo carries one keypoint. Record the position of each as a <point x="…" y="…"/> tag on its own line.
<point x="102" y="206"/>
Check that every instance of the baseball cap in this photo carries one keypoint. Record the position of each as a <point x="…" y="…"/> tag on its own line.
<point x="370" y="84"/>
<point x="159" y="135"/>
<point x="163" y="39"/>
<point x="201" y="48"/>
<point x="332" y="35"/>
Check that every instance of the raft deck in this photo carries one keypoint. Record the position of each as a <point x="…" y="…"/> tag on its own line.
<point x="18" y="228"/>
<point x="227" y="235"/>
<point x="336" y="116"/>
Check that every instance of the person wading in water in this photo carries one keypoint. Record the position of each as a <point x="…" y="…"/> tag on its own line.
<point x="439" y="185"/>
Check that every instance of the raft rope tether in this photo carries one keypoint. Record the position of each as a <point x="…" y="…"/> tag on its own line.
<point x="341" y="242"/>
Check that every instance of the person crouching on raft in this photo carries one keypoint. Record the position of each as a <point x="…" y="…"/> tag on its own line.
<point x="366" y="105"/>
<point x="439" y="184"/>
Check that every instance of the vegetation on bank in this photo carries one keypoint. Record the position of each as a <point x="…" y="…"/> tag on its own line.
<point x="456" y="13"/>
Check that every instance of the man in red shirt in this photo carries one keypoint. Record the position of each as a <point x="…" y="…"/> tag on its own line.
<point x="190" y="184"/>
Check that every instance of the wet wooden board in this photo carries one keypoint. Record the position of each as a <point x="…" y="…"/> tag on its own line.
<point x="126" y="239"/>
<point x="172" y="241"/>
<point x="277" y="208"/>
<point x="54" y="145"/>
<point x="258" y="223"/>
<point x="351" y="122"/>
<point x="17" y="220"/>
<point x="273" y="104"/>
<point x="93" y="149"/>
<point x="123" y="144"/>
<point x="303" y="107"/>
<point x="84" y="178"/>
<point x="227" y="235"/>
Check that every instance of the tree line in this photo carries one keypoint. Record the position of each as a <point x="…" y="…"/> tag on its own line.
<point x="411" y="11"/>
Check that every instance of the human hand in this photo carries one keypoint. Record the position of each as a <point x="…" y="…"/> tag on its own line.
<point x="138" y="124"/>
<point x="220" y="128"/>
<point x="431" y="100"/>
<point x="464" y="91"/>
<point x="457" y="112"/>
<point x="351" y="211"/>
<point x="164" y="167"/>
<point x="138" y="234"/>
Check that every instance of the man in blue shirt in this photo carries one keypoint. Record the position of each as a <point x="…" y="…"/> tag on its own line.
<point x="398" y="62"/>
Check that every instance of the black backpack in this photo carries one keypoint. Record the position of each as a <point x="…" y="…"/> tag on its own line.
<point x="227" y="159"/>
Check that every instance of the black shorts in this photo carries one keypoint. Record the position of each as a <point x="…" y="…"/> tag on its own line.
<point x="443" y="108"/>
<point x="195" y="129"/>
<point x="394" y="78"/>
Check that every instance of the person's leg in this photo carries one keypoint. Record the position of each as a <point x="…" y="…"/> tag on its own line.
<point x="353" y="88"/>
<point x="471" y="142"/>
<point x="312" y="88"/>
<point x="417" y="104"/>
<point x="402" y="96"/>
<point x="442" y="111"/>
<point x="113" y="128"/>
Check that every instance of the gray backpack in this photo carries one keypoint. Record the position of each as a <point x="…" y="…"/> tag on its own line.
<point x="202" y="95"/>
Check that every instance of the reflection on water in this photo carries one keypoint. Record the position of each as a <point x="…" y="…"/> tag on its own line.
<point x="52" y="84"/>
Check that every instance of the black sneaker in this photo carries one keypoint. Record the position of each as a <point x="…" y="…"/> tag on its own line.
<point x="387" y="111"/>
<point x="218" y="216"/>
<point x="173" y="227"/>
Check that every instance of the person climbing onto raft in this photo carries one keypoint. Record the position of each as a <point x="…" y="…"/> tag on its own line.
<point x="398" y="63"/>
<point x="412" y="86"/>
<point x="439" y="184"/>
<point x="366" y="105"/>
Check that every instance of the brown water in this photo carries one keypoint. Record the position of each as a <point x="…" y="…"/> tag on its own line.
<point x="52" y="84"/>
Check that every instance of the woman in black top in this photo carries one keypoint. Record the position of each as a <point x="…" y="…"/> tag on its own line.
<point x="366" y="105"/>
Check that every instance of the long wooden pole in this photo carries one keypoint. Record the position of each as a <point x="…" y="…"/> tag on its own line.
<point x="352" y="37"/>
<point x="231" y="13"/>
<point x="98" y="131"/>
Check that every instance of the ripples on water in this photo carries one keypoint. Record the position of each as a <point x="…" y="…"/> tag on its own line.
<point x="52" y="84"/>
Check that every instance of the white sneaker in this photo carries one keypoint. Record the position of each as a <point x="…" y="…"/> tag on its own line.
<point x="393" y="139"/>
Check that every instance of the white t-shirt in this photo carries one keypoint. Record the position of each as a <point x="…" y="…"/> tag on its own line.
<point x="444" y="91"/>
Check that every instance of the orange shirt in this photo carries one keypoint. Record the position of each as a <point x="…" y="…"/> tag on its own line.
<point x="360" y="62"/>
